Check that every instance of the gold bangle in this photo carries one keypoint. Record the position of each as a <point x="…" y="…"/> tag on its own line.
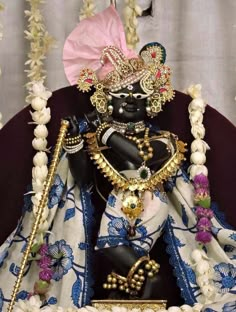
<point x="75" y="139"/>
<point x="99" y="130"/>
<point x="135" y="267"/>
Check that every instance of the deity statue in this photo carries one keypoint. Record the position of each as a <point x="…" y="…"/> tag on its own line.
<point x="122" y="193"/>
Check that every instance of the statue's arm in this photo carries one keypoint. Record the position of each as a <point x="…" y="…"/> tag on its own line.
<point x="79" y="162"/>
<point x="128" y="149"/>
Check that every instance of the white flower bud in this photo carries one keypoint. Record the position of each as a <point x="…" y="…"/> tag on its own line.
<point x="40" y="159"/>
<point x="41" y="131"/>
<point x="202" y="280"/>
<point x="208" y="290"/>
<point x="35" y="200"/>
<point x="39" y="144"/>
<point x="199" y="145"/>
<point x="196" y="255"/>
<point x="197" y="169"/>
<point x="198" y="158"/>
<point x="197" y="307"/>
<point x="91" y="309"/>
<point x="41" y="117"/>
<point x="198" y="131"/>
<point x="174" y="309"/>
<point x="38" y="88"/>
<point x="196" y="117"/>
<point x="37" y="185"/>
<point x="195" y="91"/>
<point x="138" y="10"/>
<point x="197" y="104"/>
<point x="186" y="308"/>
<point x="38" y="103"/>
<point x="40" y="173"/>
<point x="83" y="309"/>
<point x="203" y="267"/>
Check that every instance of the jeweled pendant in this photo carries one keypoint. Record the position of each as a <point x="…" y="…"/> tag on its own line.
<point x="132" y="206"/>
<point x="144" y="173"/>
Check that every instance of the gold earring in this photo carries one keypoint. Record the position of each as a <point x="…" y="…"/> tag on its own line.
<point x="155" y="103"/>
<point x="99" y="99"/>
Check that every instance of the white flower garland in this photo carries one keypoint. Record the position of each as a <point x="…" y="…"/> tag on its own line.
<point x="201" y="265"/>
<point x="198" y="146"/>
<point x="40" y="43"/>
<point x="131" y="11"/>
<point x="87" y="9"/>
<point x="1" y="36"/>
<point x="34" y="303"/>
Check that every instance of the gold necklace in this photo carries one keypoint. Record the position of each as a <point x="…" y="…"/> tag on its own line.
<point x="146" y="153"/>
<point x="133" y="188"/>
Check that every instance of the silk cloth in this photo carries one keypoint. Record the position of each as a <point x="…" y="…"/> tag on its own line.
<point x="69" y="239"/>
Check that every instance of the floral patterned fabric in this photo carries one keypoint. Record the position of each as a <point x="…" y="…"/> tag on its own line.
<point x="69" y="245"/>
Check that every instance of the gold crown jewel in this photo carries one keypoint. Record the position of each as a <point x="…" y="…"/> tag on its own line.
<point x="126" y="71"/>
<point x="157" y="81"/>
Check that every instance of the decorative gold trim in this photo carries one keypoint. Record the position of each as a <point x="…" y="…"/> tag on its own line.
<point x="155" y="305"/>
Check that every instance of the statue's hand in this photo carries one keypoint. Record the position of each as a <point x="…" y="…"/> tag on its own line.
<point x="93" y="120"/>
<point x="74" y="126"/>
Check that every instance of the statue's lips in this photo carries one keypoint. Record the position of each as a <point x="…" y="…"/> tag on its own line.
<point x="130" y="108"/>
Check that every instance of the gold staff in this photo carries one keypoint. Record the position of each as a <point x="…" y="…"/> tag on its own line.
<point x="42" y="204"/>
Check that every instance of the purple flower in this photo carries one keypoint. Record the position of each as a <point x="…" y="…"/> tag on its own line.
<point x="204" y="212"/>
<point x="204" y="224"/>
<point x="44" y="262"/>
<point x="43" y="250"/>
<point x="203" y="237"/>
<point x="46" y="275"/>
<point x="201" y="181"/>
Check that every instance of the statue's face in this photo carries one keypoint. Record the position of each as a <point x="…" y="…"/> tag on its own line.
<point x="129" y="104"/>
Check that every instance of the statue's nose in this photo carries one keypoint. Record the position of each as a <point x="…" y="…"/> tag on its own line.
<point x="130" y="98"/>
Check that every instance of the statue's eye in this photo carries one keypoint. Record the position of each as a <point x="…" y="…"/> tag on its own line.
<point x="140" y="96"/>
<point x="119" y="95"/>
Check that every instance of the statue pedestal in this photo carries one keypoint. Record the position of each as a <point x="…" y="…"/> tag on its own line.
<point x="142" y="305"/>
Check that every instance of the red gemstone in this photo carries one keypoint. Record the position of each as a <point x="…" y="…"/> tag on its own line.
<point x="153" y="54"/>
<point x="158" y="74"/>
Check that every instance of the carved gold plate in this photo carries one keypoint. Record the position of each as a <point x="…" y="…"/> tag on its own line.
<point x="155" y="305"/>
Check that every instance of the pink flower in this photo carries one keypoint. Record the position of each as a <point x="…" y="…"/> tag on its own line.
<point x="204" y="224"/>
<point x="201" y="181"/>
<point x="203" y="237"/>
<point x="204" y="212"/>
<point x="44" y="262"/>
<point x="46" y="275"/>
<point x="43" y="250"/>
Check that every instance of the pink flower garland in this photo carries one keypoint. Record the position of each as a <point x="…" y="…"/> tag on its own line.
<point x="203" y="211"/>
<point x="42" y="285"/>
